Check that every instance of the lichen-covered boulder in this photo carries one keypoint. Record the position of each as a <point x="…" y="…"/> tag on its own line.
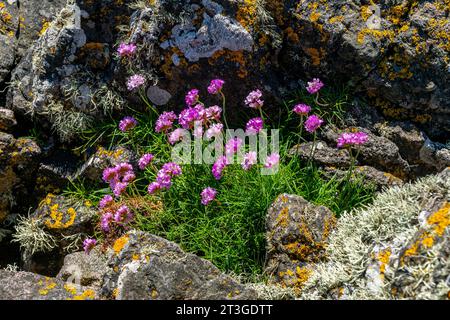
<point x="144" y="266"/>
<point x="19" y="159"/>
<point x="7" y="120"/>
<point x="85" y="269"/>
<point x="93" y="168"/>
<point x="56" y="228"/>
<point x="320" y="153"/>
<point x="396" y="50"/>
<point x="9" y="25"/>
<point x="20" y="285"/>
<point x="297" y="236"/>
<point x="395" y="248"/>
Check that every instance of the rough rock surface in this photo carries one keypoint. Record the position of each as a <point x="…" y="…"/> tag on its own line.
<point x="56" y="228"/>
<point x="144" y="266"/>
<point x="86" y="269"/>
<point x="396" y="248"/>
<point x="19" y="285"/>
<point x="322" y="154"/>
<point x="7" y="119"/>
<point x="297" y="235"/>
<point x="19" y="159"/>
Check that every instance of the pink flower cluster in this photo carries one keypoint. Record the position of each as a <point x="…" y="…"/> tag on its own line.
<point x="272" y="160"/>
<point x="314" y="86"/>
<point x="249" y="161"/>
<point x="254" y="126"/>
<point x="126" y="49"/>
<point x="232" y="146"/>
<point x="119" y="177"/>
<point x="89" y="244"/>
<point x="164" y="177"/>
<point x="121" y="216"/>
<point x="302" y="109"/>
<point x="192" y="97"/>
<point x="352" y="138"/>
<point x="208" y="194"/>
<point x="127" y="123"/>
<point x="145" y="160"/>
<point x="135" y="82"/>
<point x="254" y="100"/>
<point x="219" y="166"/>
<point x="215" y="86"/>
<point x="165" y="121"/>
<point x="313" y="123"/>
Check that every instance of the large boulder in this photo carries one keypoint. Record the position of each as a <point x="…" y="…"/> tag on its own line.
<point x="297" y="236"/>
<point x="20" y="285"/>
<point x="395" y="248"/>
<point x="57" y="227"/>
<point x="144" y="266"/>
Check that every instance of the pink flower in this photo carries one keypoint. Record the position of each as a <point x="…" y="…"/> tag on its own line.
<point x="135" y="82"/>
<point x="254" y="126"/>
<point x="215" y="86"/>
<point x="89" y="244"/>
<point x="165" y="121"/>
<point x="208" y="194"/>
<point x="213" y="113"/>
<point x="153" y="187"/>
<point x="126" y="49"/>
<point x="214" y="131"/>
<point x="313" y="123"/>
<point x="314" y="86"/>
<point x="218" y="167"/>
<point x="302" y="109"/>
<point x="250" y="160"/>
<point x="172" y="168"/>
<point x="118" y="177"/>
<point x="106" y="201"/>
<point x="188" y="116"/>
<point x="198" y="129"/>
<point x="119" y="188"/>
<point x="254" y="100"/>
<point x="352" y="138"/>
<point x="164" y="179"/>
<point x="109" y="174"/>
<point x="145" y="160"/>
<point x="127" y="124"/>
<point x="106" y="220"/>
<point x="123" y="215"/>
<point x="272" y="160"/>
<point x="192" y="97"/>
<point x="176" y="135"/>
<point x="233" y="145"/>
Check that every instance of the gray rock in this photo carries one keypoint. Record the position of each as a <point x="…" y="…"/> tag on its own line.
<point x="322" y="154"/>
<point x="87" y="269"/>
<point x="158" y="96"/>
<point x="147" y="267"/>
<point x="435" y="154"/>
<point x="7" y="119"/>
<point x="19" y="285"/>
<point x="297" y="235"/>
<point x="9" y="25"/>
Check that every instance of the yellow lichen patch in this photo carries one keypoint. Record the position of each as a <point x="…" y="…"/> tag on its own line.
<point x="336" y="19"/>
<point x="283" y="217"/>
<point x="155" y="294"/>
<point x="70" y="289"/>
<point x="45" y="25"/>
<point x="296" y="279"/>
<point x="49" y="285"/>
<point x="366" y="12"/>
<point x="234" y="56"/>
<point x="115" y="293"/>
<point x="120" y="243"/>
<point x="87" y="294"/>
<point x="57" y="218"/>
<point x="383" y="258"/>
<point x="440" y="220"/>
<point x="247" y="14"/>
<point x="378" y="34"/>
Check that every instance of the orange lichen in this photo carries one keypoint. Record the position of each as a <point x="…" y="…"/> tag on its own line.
<point x="283" y="217"/>
<point x="247" y="14"/>
<point x="120" y="243"/>
<point x="87" y="294"/>
<point x="57" y="218"/>
<point x="383" y="258"/>
<point x="316" y="55"/>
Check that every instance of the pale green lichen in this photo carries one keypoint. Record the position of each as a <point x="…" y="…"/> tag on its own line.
<point x="31" y="236"/>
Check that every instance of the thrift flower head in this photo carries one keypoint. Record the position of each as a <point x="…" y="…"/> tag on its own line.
<point x="105" y="221"/>
<point x="254" y="100"/>
<point x="164" y="179"/>
<point x="198" y="129"/>
<point x="135" y="82"/>
<point x="314" y="86"/>
<point x="188" y="116"/>
<point x="313" y="123"/>
<point x="165" y="121"/>
<point x="119" y="188"/>
<point x="208" y="194"/>
<point x="126" y="49"/>
<point x="88" y="244"/>
<point x="145" y="160"/>
<point x="172" y="168"/>
<point x="215" y="86"/>
<point x="214" y="131"/>
<point x="352" y="138"/>
<point x="233" y="145"/>
<point x="250" y="159"/>
<point x="254" y="126"/>
<point x="218" y="167"/>
<point x="127" y="124"/>
<point x="192" y="97"/>
<point x="176" y="135"/>
<point x="123" y="215"/>
<point x="118" y="177"/>
<point x="302" y="109"/>
<point x="153" y="187"/>
<point x="272" y="160"/>
<point x="106" y="201"/>
<point x="213" y="113"/>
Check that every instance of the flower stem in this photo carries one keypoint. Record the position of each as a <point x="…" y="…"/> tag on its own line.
<point x="223" y="109"/>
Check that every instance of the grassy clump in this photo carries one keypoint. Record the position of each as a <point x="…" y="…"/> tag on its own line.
<point x="230" y="232"/>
